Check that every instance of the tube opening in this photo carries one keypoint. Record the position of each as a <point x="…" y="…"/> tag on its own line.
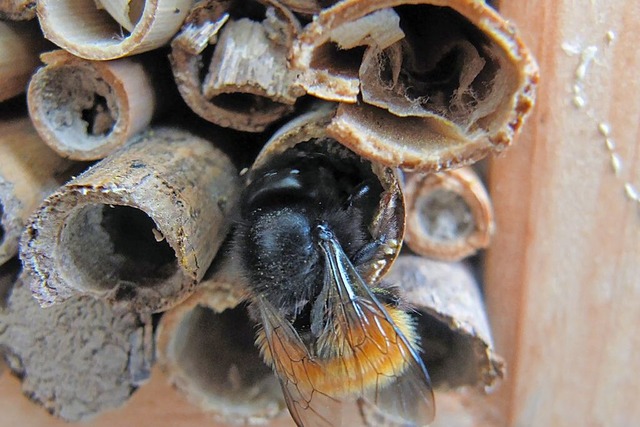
<point x="450" y="356"/>
<point x="251" y="9"/>
<point x="445" y="216"/>
<point x="9" y="272"/>
<point x="110" y="246"/>
<point x="98" y="25"/>
<point x="444" y="65"/>
<point x="217" y="356"/>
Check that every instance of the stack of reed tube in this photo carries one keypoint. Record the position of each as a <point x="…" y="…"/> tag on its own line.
<point x="120" y="212"/>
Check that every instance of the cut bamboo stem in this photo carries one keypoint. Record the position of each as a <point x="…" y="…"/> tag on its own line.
<point x="126" y="12"/>
<point x="139" y="228"/>
<point x="76" y="359"/>
<point x="85" y="29"/>
<point x="426" y="84"/>
<point x="20" y="45"/>
<point x="449" y="214"/>
<point x="29" y="172"/>
<point x="17" y="10"/>
<point x="456" y="340"/>
<point x="86" y="109"/>
<point x="248" y="85"/>
<point x="206" y="347"/>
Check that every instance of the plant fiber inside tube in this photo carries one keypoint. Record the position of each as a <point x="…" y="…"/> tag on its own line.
<point x="444" y="66"/>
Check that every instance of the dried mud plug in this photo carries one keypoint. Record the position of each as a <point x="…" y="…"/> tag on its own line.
<point x="78" y="358"/>
<point x="424" y="85"/>
<point x="452" y="322"/>
<point x="243" y="45"/>
<point x="139" y="228"/>
<point x="449" y="214"/>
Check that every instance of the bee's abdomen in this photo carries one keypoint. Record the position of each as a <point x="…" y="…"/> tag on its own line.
<point x="359" y="360"/>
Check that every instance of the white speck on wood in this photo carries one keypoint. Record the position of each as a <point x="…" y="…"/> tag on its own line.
<point x="579" y="101"/>
<point x="616" y="164"/>
<point x="631" y="191"/>
<point x="610" y="36"/>
<point x="586" y="57"/>
<point x="604" y="129"/>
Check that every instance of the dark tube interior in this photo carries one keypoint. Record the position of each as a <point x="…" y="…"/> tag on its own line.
<point x="449" y="356"/>
<point x="216" y="352"/>
<point x="111" y="245"/>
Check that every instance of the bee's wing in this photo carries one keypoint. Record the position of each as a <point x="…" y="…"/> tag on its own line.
<point x="406" y="399"/>
<point x="295" y="369"/>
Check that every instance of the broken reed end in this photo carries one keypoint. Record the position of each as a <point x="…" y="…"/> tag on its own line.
<point x="244" y="46"/>
<point x="418" y="108"/>
<point x="138" y="228"/>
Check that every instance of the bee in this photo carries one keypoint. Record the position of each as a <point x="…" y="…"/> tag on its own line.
<point x="345" y="352"/>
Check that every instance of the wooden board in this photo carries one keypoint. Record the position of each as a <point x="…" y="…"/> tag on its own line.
<point x="563" y="273"/>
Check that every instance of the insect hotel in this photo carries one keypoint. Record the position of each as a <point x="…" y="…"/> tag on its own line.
<point x="319" y="213"/>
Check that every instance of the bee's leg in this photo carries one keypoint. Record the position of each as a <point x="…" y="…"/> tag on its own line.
<point x="389" y="294"/>
<point x="368" y="252"/>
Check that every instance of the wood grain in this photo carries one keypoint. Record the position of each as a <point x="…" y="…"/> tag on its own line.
<point x="562" y="275"/>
